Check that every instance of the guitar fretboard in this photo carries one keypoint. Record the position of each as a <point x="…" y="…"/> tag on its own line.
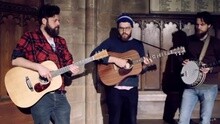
<point x="66" y="68"/>
<point x="176" y="51"/>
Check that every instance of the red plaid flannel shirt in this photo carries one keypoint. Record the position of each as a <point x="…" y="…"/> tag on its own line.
<point x="34" y="47"/>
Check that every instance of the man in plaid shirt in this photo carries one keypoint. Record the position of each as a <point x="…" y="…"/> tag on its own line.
<point x="41" y="45"/>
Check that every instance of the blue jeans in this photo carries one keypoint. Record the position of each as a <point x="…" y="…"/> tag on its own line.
<point x="122" y="105"/>
<point x="51" y="107"/>
<point x="206" y="95"/>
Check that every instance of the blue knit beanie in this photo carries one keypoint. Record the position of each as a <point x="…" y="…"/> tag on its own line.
<point x="125" y="18"/>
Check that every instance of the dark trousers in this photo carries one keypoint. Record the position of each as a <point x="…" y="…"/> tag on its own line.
<point x="172" y="103"/>
<point x="122" y="105"/>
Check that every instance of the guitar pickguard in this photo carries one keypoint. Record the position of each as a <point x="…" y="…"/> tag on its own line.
<point x="39" y="87"/>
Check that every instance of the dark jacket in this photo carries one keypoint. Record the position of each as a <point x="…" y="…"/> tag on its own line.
<point x="212" y="55"/>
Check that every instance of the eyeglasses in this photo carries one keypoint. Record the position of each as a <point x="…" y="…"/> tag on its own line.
<point x="124" y="28"/>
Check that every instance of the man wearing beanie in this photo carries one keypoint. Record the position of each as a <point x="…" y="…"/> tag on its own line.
<point x="122" y="97"/>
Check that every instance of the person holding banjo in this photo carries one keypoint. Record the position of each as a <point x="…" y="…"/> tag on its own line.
<point x="200" y="71"/>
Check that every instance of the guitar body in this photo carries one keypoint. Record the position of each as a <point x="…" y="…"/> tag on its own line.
<point x="110" y="74"/>
<point x="17" y="87"/>
<point x="25" y="86"/>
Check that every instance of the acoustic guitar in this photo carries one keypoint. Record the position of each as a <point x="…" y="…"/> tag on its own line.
<point x="110" y="74"/>
<point x="25" y="86"/>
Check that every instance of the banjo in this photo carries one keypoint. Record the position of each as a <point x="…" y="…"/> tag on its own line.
<point x="191" y="74"/>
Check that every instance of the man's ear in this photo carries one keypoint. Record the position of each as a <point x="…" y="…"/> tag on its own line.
<point x="44" y="21"/>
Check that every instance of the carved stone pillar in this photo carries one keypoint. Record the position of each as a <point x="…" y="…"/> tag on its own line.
<point x="90" y="39"/>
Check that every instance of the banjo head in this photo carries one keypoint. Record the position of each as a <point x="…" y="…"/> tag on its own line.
<point x="191" y="74"/>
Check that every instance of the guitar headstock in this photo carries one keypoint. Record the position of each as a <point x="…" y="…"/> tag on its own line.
<point x="178" y="51"/>
<point x="100" y="55"/>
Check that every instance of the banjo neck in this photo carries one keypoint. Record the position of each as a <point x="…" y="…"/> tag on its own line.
<point x="213" y="64"/>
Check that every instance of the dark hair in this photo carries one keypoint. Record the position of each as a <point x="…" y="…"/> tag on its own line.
<point x="113" y="33"/>
<point x="179" y="38"/>
<point x="205" y="16"/>
<point x="47" y="11"/>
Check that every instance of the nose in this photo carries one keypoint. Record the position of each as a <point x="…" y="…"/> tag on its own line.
<point x="58" y="23"/>
<point x="199" y="26"/>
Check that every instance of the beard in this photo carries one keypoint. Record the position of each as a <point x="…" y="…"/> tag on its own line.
<point x="53" y="32"/>
<point x="200" y="35"/>
<point x="125" y="36"/>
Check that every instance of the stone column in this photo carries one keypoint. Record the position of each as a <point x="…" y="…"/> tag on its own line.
<point x="72" y="28"/>
<point x="90" y="38"/>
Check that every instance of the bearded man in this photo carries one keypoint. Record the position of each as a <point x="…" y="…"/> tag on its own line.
<point x="39" y="46"/>
<point x="205" y="50"/>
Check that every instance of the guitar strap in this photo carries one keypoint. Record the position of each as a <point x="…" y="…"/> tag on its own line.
<point x="204" y="48"/>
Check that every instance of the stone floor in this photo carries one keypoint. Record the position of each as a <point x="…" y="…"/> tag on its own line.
<point x="159" y="121"/>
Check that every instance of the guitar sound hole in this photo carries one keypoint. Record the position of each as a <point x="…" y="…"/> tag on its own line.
<point x="123" y="71"/>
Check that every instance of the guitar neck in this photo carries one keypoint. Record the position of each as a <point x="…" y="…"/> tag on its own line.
<point x="67" y="68"/>
<point x="154" y="56"/>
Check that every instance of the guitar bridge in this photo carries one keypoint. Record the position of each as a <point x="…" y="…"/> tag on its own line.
<point x="28" y="82"/>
